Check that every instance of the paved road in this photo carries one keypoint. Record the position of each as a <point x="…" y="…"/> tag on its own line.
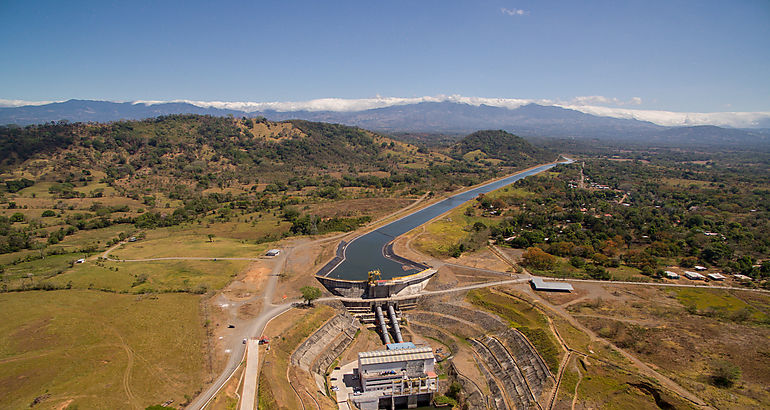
<point x="252" y="328"/>
<point x="249" y="394"/>
<point x="185" y="258"/>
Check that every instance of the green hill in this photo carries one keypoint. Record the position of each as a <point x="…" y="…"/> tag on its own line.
<point x="500" y="145"/>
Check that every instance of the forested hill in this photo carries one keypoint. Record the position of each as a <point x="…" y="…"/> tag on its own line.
<point x="193" y="153"/>
<point x="503" y="146"/>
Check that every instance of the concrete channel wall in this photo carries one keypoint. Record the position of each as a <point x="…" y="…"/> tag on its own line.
<point x="496" y="401"/>
<point x="326" y="343"/>
<point x="503" y="369"/>
<point x="531" y="363"/>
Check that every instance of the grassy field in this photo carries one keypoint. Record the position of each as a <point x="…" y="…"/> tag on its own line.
<point x="525" y="318"/>
<point x="95" y="350"/>
<point x="438" y="236"/>
<point x="718" y="303"/>
<point x="187" y="243"/>
<point x="160" y="276"/>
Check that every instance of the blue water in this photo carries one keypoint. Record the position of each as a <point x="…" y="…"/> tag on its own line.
<point x="365" y="253"/>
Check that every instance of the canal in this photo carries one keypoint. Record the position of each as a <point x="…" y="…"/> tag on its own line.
<point x="368" y="252"/>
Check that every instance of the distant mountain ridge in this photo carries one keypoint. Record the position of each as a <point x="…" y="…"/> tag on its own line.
<point x="430" y="117"/>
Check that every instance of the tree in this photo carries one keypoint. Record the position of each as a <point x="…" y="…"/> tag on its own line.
<point x="538" y="259"/>
<point x="211" y="237"/>
<point x="310" y="293"/>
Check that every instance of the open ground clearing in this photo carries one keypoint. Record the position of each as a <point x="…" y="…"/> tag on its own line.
<point x="685" y="333"/>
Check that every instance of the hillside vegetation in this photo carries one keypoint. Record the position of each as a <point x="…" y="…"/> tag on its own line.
<point x="72" y="189"/>
<point x="507" y="148"/>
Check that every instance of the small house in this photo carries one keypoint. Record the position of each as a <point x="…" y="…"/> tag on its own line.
<point x="273" y="252"/>
<point x="741" y="277"/>
<point x="700" y="268"/>
<point x="716" y="276"/>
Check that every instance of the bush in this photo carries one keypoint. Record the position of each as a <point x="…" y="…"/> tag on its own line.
<point x="577" y="261"/>
<point x="48" y="213"/>
<point x="724" y="373"/>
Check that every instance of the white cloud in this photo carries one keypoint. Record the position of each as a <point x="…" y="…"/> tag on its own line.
<point x="513" y="12"/>
<point x="671" y="118"/>
<point x="602" y="100"/>
<point x="21" y="103"/>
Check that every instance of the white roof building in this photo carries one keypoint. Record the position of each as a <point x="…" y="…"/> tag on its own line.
<point x="693" y="275"/>
<point x="716" y="276"/>
<point x="273" y="252"/>
<point x="672" y="275"/>
<point x="540" y="284"/>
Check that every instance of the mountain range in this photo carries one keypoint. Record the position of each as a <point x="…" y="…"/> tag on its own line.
<point x="427" y="117"/>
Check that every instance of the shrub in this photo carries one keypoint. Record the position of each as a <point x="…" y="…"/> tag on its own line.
<point x="724" y="373"/>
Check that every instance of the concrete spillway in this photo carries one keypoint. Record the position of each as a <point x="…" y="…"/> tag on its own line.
<point x="394" y="322"/>
<point x="383" y="325"/>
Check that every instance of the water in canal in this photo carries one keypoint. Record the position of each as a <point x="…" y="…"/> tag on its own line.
<point x="365" y="253"/>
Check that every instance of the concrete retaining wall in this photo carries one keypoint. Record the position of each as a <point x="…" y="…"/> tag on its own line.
<point x="514" y="379"/>
<point x="496" y="400"/>
<point x="529" y="361"/>
<point x="334" y="335"/>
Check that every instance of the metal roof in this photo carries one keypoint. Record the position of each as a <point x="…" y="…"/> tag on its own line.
<point x="540" y="284"/>
<point x="400" y="346"/>
<point x="400" y="355"/>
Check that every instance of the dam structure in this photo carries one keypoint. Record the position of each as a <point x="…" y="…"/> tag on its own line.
<point x="346" y="274"/>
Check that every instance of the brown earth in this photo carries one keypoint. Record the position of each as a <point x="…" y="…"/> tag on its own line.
<point x="658" y="329"/>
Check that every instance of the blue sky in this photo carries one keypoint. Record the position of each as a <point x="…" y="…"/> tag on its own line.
<point x="672" y="55"/>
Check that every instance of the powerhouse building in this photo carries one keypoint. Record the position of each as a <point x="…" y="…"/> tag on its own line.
<point x="403" y="376"/>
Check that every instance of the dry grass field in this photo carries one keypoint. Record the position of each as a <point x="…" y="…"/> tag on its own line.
<point x="687" y="334"/>
<point x="89" y="349"/>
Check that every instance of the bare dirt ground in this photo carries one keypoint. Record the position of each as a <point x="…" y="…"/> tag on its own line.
<point x="307" y="255"/>
<point x="443" y="279"/>
<point x="483" y="259"/>
<point x="237" y="303"/>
